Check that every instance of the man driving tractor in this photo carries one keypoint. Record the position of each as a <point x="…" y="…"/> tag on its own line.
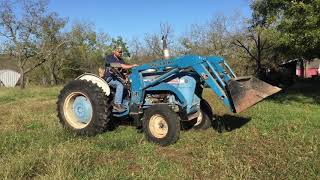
<point x="115" y="61"/>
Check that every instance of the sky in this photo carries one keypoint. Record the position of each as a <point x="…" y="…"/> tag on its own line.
<point x="135" y="18"/>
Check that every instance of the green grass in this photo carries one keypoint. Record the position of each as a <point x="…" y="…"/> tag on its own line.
<point x="278" y="138"/>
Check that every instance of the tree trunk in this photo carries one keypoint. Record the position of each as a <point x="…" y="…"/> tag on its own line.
<point x="259" y="53"/>
<point x="258" y="66"/>
<point x="302" y="68"/>
<point x="53" y="76"/>
<point x="51" y="79"/>
<point x="22" y="78"/>
<point x="44" y="81"/>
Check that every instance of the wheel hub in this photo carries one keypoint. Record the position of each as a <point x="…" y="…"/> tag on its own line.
<point x="78" y="110"/>
<point x="82" y="109"/>
<point x="158" y="126"/>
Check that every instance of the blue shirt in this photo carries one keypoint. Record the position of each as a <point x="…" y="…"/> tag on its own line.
<point x="111" y="59"/>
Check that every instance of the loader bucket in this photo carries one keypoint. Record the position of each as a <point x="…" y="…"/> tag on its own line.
<point x="247" y="91"/>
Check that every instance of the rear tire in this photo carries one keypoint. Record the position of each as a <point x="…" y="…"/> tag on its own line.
<point x="161" y="125"/>
<point x="83" y="108"/>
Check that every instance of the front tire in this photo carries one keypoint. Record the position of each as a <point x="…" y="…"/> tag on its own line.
<point x="83" y="108"/>
<point x="202" y="122"/>
<point x="161" y="125"/>
<point x="205" y="119"/>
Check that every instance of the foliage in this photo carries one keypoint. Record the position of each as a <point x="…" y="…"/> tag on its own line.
<point x="50" y="54"/>
<point x="258" y="43"/>
<point x="80" y="54"/>
<point x="297" y="21"/>
<point x="119" y="42"/>
<point x="84" y="51"/>
<point x="30" y="36"/>
<point x="216" y="38"/>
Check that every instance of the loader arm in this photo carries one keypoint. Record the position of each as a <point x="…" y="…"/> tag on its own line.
<point x="236" y="93"/>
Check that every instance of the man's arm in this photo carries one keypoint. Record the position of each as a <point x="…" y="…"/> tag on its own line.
<point x="124" y="66"/>
<point x="128" y="66"/>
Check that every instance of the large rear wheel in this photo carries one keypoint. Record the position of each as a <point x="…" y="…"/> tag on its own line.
<point x="161" y="125"/>
<point x="83" y="108"/>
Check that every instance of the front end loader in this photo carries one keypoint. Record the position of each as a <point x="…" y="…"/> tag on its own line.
<point x="162" y="96"/>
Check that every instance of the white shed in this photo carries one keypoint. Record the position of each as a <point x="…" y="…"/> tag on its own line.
<point x="9" y="78"/>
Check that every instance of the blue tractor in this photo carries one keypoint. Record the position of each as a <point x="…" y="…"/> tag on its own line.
<point x="162" y="96"/>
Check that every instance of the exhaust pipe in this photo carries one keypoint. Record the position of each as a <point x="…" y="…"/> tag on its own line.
<point x="166" y="54"/>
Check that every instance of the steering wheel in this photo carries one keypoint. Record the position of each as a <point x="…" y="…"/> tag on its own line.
<point x="122" y="75"/>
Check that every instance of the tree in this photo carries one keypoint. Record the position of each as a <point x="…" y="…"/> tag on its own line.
<point x="80" y="49"/>
<point x="21" y="23"/>
<point x="195" y="41"/>
<point x="52" y="37"/>
<point x="216" y="38"/>
<point x="155" y="41"/>
<point x="256" y="44"/>
<point x="119" y="42"/>
<point x="141" y="52"/>
<point x="85" y="50"/>
<point x="297" y="21"/>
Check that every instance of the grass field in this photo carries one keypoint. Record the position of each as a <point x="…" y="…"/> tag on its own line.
<point x="278" y="138"/>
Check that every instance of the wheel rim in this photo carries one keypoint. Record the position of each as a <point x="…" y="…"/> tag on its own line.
<point x="77" y="109"/>
<point x="158" y="126"/>
<point x="199" y="119"/>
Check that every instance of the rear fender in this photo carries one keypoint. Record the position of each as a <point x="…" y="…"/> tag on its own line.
<point x="96" y="80"/>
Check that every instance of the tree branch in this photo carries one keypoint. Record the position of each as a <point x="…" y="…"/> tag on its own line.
<point x="45" y="58"/>
<point x="245" y="48"/>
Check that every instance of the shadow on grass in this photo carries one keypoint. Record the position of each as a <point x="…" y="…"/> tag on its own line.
<point x="304" y="91"/>
<point x="116" y="122"/>
<point x="229" y="123"/>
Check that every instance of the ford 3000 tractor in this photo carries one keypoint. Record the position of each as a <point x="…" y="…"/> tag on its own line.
<point x="161" y="96"/>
